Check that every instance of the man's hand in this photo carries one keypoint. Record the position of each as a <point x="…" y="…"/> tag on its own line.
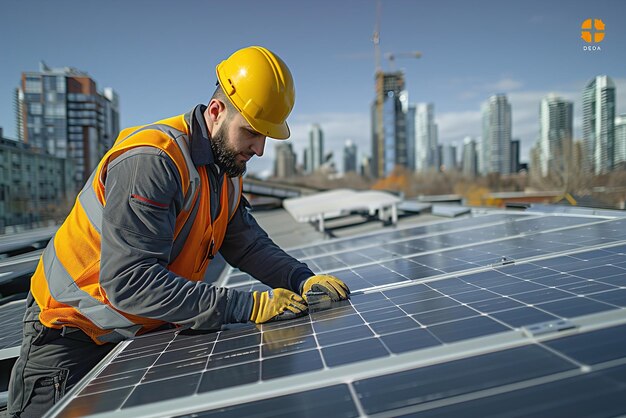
<point x="276" y="305"/>
<point x="332" y="286"/>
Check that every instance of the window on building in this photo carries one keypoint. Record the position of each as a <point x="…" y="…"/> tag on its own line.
<point x="33" y="85"/>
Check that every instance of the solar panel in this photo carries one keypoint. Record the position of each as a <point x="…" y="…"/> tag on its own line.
<point x="448" y="252"/>
<point x="11" y="315"/>
<point x="426" y="334"/>
<point x="18" y="266"/>
<point x="26" y="239"/>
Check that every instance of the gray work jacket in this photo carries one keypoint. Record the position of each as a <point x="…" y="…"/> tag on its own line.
<point x="137" y="239"/>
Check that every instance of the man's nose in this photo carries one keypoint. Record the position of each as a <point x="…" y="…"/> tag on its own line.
<point x="258" y="146"/>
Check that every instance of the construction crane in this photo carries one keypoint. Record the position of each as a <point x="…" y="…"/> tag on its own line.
<point x="378" y="146"/>
<point x="392" y="56"/>
<point x="376" y="37"/>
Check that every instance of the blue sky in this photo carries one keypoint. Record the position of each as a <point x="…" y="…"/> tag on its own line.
<point x="160" y="56"/>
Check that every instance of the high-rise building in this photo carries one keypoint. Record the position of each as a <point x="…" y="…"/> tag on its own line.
<point x="389" y="147"/>
<point x="349" y="157"/>
<point x="315" y="153"/>
<point x="285" y="162"/>
<point x="496" y="140"/>
<point x="620" y="141"/>
<point x="439" y="157"/>
<point x="515" y="151"/>
<point x="426" y="155"/>
<point x="60" y="110"/>
<point x="599" y="124"/>
<point x="306" y="160"/>
<point x="448" y="158"/>
<point x="410" y="135"/>
<point x="34" y="185"/>
<point x="555" y="133"/>
<point x="366" y="163"/>
<point x="470" y="157"/>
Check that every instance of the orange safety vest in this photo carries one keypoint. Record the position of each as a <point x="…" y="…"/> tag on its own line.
<point x="66" y="282"/>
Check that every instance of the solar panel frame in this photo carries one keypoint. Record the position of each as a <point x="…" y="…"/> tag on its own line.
<point x="479" y="255"/>
<point x="492" y="305"/>
<point x="11" y="315"/>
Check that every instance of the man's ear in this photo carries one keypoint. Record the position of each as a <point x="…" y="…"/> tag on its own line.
<point x="216" y="110"/>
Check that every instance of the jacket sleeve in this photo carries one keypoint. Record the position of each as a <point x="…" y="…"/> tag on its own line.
<point x="143" y="197"/>
<point x="248" y="247"/>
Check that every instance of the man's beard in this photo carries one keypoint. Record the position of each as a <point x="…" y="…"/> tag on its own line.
<point x="226" y="157"/>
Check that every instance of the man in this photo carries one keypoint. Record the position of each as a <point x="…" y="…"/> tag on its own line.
<point x="133" y="252"/>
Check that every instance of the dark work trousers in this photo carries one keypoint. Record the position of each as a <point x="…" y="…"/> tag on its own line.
<point x="51" y="362"/>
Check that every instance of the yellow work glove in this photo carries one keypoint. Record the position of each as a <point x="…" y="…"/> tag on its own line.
<point x="276" y="305"/>
<point x="332" y="286"/>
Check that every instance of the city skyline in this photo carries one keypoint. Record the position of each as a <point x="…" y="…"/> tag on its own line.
<point x="469" y="53"/>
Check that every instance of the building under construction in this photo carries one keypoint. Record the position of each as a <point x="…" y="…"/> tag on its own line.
<point x="389" y="141"/>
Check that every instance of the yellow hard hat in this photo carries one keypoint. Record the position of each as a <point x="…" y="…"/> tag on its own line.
<point x="260" y="86"/>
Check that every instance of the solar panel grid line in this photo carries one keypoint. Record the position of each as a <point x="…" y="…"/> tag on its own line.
<point x="617" y="343"/>
<point x="84" y="382"/>
<point x="576" y="251"/>
<point x="10" y="264"/>
<point x="428" y="251"/>
<point x="586" y="324"/>
<point x="289" y="384"/>
<point x="453" y="400"/>
<point x="495" y="317"/>
<point x="483" y="268"/>
<point x="356" y="377"/>
<point x="379" y="236"/>
<point x="544" y="257"/>
<point x="582" y="367"/>
<point x="574" y="211"/>
<point x="406" y="229"/>
<point x="580" y="372"/>
<point x="505" y="311"/>
<point x="436" y="306"/>
<point x="399" y="229"/>
<point x="373" y="263"/>
<point x="440" y="251"/>
<point x="447" y="232"/>
<point x="11" y="316"/>
<point x="482" y="345"/>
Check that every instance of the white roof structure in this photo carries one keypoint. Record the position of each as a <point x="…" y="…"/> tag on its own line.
<point x="340" y="202"/>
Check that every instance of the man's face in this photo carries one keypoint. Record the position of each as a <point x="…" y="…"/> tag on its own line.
<point x="234" y="143"/>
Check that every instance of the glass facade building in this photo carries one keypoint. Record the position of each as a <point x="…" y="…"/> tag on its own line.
<point x="60" y="111"/>
<point x="496" y="138"/>
<point x="389" y="133"/>
<point x="285" y="162"/>
<point x="426" y="141"/>
<point x="599" y="124"/>
<point x="469" y="160"/>
<point x="34" y="185"/>
<point x="349" y="157"/>
<point x="315" y="153"/>
<point x="620" y="141"/>
<point x="555" y="134"/>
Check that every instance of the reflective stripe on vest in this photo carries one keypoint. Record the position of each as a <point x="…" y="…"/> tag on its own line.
<point x="65" y="290"/>
<point x="94" y="209"/>
<point x="181" y="140"/>
<point x="62" y="286"/>
<point x="91" y="205"/>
